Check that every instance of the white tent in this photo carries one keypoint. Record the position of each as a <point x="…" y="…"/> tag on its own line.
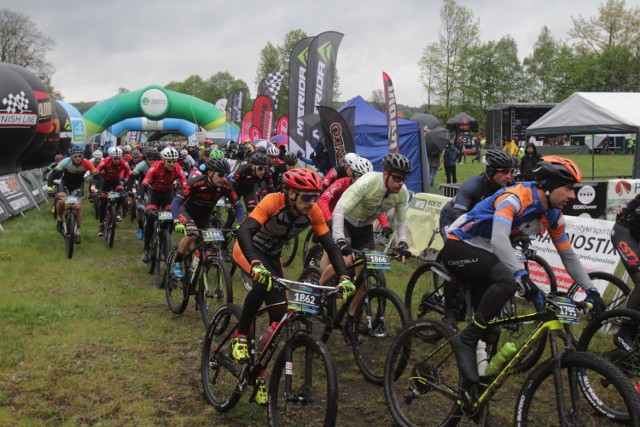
<point x="594" y="112"/>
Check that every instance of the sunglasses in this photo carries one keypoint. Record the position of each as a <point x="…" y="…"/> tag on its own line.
<point x="398" y="178"/>
<point x="219" y="174"/>
<point x="76" y="156"/>
<point x="170" y="161"/>
<point x="508" y="171"/>
<point x="309" y="197"/>
<point x="260" y="168"/>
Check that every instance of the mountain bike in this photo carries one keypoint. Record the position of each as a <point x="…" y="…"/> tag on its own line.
<point x="70" y="222"/>
<point x="206" y="277"/>
<point x="114" y="202"/>
<point x="160" y="244"/>
<point x="379" y="316"/>
<point x="303" y="388"/>
<point x="423" y="385"/>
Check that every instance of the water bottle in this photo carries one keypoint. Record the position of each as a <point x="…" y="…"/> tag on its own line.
<point x="503" y="357"/>
<point x="264" y="339"/>
<point x="481" y="357"/>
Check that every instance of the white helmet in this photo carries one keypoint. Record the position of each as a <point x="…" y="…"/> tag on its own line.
<point x="169" y="153"/>
<point x="362" y="166"/>
<point x="351" y="159"/>
<point x="273" y="151"/>
<point x="97" y="155"/>
<point x="115" y="152"/>
<point x="127" y="148"/>
<point x="184" y="153"/>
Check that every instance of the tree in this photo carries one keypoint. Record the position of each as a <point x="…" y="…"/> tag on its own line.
<point x="269" y="62"/>
<point x="377" y="99"/>
<point x="427" y="65"/>
<point x="21" y="43"/>
<point x="218" y="86"/>
<point x="539" y="67"/>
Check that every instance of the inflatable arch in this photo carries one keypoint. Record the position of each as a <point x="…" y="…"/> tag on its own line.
<point x="185" y="127"/>
<point x="155" y="103"/>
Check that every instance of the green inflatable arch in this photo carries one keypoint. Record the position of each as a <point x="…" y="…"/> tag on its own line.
<point x="155" y="103"/>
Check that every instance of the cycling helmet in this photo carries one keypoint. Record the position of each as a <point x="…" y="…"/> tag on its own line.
<point x="553" y="172"/>
<point x="152" y="154"/>
<point x="135" y="153"/>
<point x="498" y="159"/>
<point x="216" y="154"/>
<point x="392" y="162"/>
<point x="75" y="149"/>
<point x="351" y="159"/>
<point x="169" y="153"/>
<point x="302" y="179"/>
<point x="97" y="155"/>
<point x="273" y="151"/>
<point x="362" y="166"/>
<point x="184" y="153"/>
<point x="217" y="165"/>
<point x="126" y="149"/>
<point x="259" y="159"/>
<point x="208" y="142"/>
<point x="290" y="158"/>
<point x="115" y="152"/>
<point x="262" y="150"/>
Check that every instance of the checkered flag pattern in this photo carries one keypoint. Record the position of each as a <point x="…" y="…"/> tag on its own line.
<point x="15" y="103"/>
<point x="270" y="86"/>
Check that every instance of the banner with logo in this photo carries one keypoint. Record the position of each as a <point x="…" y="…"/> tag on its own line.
<point x="235" y="104"/>
<point x="590" y="202"/>
<point x="424" y="224"/>
<point x="282" y="127"/>
<point x="255" y="133"/>
<point x="32" y="186"/>
<point x="338" y="139"/>
<point x="297" y="93"/>
<point x="391" y="110"/>
<point x="619" y="192"/>
<point x="263" y="115"/>
<point x="270" y="87"/>
<point x="247" y="123"/>
<point x="321" y="68"/>
<point x="13" y="195"/>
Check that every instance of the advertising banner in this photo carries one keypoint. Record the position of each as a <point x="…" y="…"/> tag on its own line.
<point x="247" y="123"/>
<point x="338" y="138"/>
<point x="591" y="201"/>
<point x="283" y="126"/>
<point x="424" y="225"/>
<point x="235" y="103"/>
<point x="297" y="93"/>
<point x="32" y="186"/>
<point x="13" y="195"/>
<point x="263" y="115"/>
<point x="619" y="192"/>
<point x="391" y="110"/>
<point x="4" y="213"/>
<point x="270" y="87"/>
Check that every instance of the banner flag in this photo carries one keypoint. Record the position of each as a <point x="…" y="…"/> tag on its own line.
<point x="255" y="133"/>
<point x="263" y="115"/>
<point x="297" y="92"/>
<point x="321" y="69"/>
<point x="270" y="87"/>
<point x="392" y="113"/>
<point x="247" y="122"/>
<point x="235" y="103"/>
<point x="282" y="128"/>
<point x="338" y="138"/>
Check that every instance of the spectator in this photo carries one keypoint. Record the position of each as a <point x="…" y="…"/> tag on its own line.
<point x="529" y="161"/>
<point x="451" y="154"/>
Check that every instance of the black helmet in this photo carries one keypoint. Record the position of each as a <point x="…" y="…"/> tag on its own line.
<point x="259" y="159"/>
<point x="152" y="154"/>
<point x="290" y="158"/>
<point x="393" y="162"/>
<point x="217" y="165"/>
<point x="498" y="159"/>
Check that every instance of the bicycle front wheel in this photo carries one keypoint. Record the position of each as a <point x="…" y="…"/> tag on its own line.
<point x="176" y="290"/>
<point x="219" y="371"/>
<point x="376" y="324"/>
<point x="593" y="390"/>
<point x="303" y="390"/>
<point x="162" y="254"/>
<point x="421" y="377"/>
<point x="111" y="226"/>
<point x="153" y="252"/>
<point x="214" y="290"/>
<point x="69" y="234"/>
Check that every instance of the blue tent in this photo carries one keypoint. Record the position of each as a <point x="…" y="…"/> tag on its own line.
<point x="371" y="138"/>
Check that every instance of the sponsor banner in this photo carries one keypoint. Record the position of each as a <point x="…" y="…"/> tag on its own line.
<point x="255" y="133"/>
<point x="283" y="126"/>
<point x="247" y="123"/>
<point x="270" y="87"/>
<point x="15" y="111"/>
<point x="4" y="213"/>
<point x="263" y="115"/>
<point x="424" y="224"/>
<point x="392" y="113"/>
<point x="321" y="68"/>
<point x="235" y="103"/>
<point x="590" y="239"/>
<point x="338" y="138"/>
<point x="32" y="186"/>
<point x="591" y="201"/>
<point x="619" y="192"/>
<point x="297" y="93"/>
<point x="13" y="195"/>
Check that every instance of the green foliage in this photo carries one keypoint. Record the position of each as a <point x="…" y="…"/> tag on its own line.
<point x="216" y="87"/>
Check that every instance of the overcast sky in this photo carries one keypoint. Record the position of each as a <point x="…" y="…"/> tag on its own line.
<point x="104" y="45"/>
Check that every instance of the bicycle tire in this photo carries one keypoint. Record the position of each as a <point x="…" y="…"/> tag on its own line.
<point x="69" y="234"/>
<point x="424" y="296"/>
<point x="153" y="252"/>
<point x="421" y="377"/>
<point x="593" y="381"/>
<point x="289" y="251"/>
<point x="176" y="290"/>
<point x="314" y="384"/>
<point x="388" y="318"/>
<point x="214" y="289"/>
<point x="541" y="273"/>
<point x="219" y="384"/>
<point x="162" y="255"/>
<point x="111" y="226"/>
<point x="305" y="246"/>
<point x="313" y="257"/>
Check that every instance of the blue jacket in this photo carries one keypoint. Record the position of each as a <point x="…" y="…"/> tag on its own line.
<point x="450" y="155"/>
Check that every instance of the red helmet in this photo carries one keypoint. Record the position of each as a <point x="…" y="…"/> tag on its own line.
<point x="302" y="179"/>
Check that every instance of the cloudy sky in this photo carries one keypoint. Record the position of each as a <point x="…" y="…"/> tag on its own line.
<point x="104" y="45"/>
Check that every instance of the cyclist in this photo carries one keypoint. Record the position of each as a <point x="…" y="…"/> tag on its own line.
<point x="626" y="238"/>
<point x="96" y="157"/>
<point x="370" y="196"/>
<point x="274" y="155"/>
<point x="276" y="219"/>
<point x="478" y="251"/>
<point x="186" y="161"/>
<point x="71" y="170"/>
<point x="498" y="174"/>
<point x="191" y="208"/>
<point x="151" y="155"/>
<point x="249" y="178"/>
<point x="344" y="169"/>
<point x="160" y="180"/>
<point x="114" y="169"/>
<point x="276" y="171"/>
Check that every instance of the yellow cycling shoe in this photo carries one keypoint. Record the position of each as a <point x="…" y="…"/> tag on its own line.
<point x="240" y="349"/>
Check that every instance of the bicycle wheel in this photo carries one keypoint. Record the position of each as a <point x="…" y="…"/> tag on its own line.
<point x="541" y="272"/>
<point x="219" y="371"/>
<point x="111" y="225"/>
<point x="69" y="234"/>
<point x="373" y="335"/>
<point x="614" y="296"/>
<point x="303" y="389"/>
<point x="289" y="251"/>
<point x="176" y="290"/>
<point x="424" y="296"/>
<point x="306" y="245"/>
<point x="593" y="390"/>
<point x="313" y="257"/>
<point x="153" y="251"/>
<point x="214" y="289"/>
<point x="421" y="377"/>
<point x="162" y="255"/>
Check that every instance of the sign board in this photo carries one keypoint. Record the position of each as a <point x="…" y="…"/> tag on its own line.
<point x="13" y="195"/>
<point x="619" y="192"/>
<point x="424" y="224"/>
<point x="33" y="186"/>
<point x="591" y="201"/>
<point x="4" y="213"/>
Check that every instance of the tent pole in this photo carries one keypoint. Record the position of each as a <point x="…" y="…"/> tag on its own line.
<point x="424" y="161"/>
<point x="593" y="156"/>
<point x="636" y="159"/>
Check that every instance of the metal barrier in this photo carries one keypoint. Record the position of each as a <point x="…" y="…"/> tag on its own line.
<point x="448" y="190"/>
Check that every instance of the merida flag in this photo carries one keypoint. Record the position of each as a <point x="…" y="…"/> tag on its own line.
<point x="392" y="113"/>
<point x="338" y="138"/>
<point x="297" y="93"/>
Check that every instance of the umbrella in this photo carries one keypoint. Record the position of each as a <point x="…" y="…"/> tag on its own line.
<point x="463" y="122"/>
<point x="262" y="143"/>
<point x="280" y="140"/>
<point x="426" y="120"/>
<point x="437" y="139"/>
